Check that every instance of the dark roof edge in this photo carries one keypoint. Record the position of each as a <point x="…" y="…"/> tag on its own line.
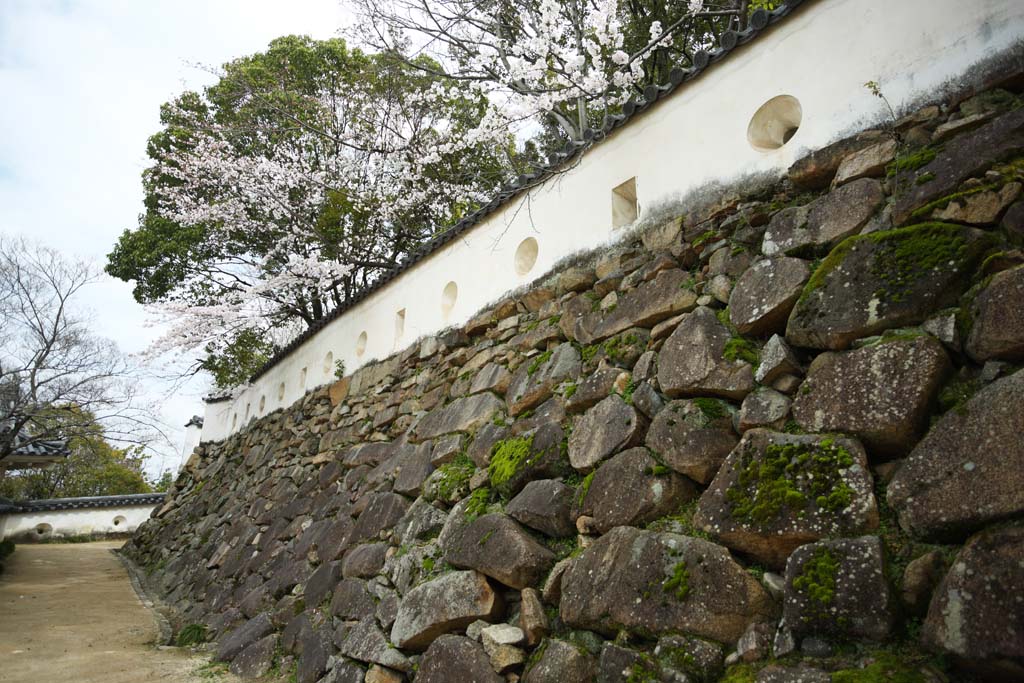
<point x="760" y="22"/>
<point x="87" y="502"/>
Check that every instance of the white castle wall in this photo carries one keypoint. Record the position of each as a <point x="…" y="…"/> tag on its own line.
<point x="39" y="525"/>
<point x="822" y="56"/>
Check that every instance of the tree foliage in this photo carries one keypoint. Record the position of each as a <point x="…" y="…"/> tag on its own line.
<point x="94" y="467"/>
<point x="293" y="182"/>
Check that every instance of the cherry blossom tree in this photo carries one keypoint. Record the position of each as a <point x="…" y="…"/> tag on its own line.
<point x="295" y="181"/>
<point x="561" y="62"/>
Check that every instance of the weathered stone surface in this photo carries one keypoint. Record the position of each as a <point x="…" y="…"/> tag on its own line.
<point x="456" y="658"/>
<point x="314" y="653"/>
<point x="976" y="613"/>
<point x="765" y="294"/>
<point x="461" y="415"/>
<point x="420" y="522"/>
<point x="321" y="583"/>
<point x="838" y="587"/>
<point x="777" y="359"/>
<point x="632" y="488"/>
<point x="778" y="491"/>
<point x="774" y="673"/>
<point x="593" y="389"/>
<point x="644" y="306"/>
<point x="492" y="377"/>
<point x="978" y="208"/>
<point x="535" y="380"/>
<point x="576" y="279"/>
<point x="997" y="319"/>
<point x="764" y="408"/>
<point x="618" y="664"/>
<point x="546" y="506"/>
<point x="843" y="393"/>
<point x="816" y="170"/>
<point x="562" y="662"/>
<point x="344" y="671"/>
<point x="693" y="436"/>
<point x="886" y="279"/>
<point x="255" y="660"/>
<point x="691" y="363"/>
<point x="532" y="619"/>
<point x="653" y="582"/>
<point x="825" y="221"/>
<point x="363" y="561"/>
<point x="497" y="546"/>
<point x="378" y="674"/>
<point x="967" y="472"/>
<point x="367" y="643"/>
<point x="352" y="601"/>
<point x="610" y="426"/>
<point x="447" y="603"/>
<point x="663" y="236"/>
<point x="966" y="156"/>
<point x="415" y="466"/>
<point x="919" y="580"/>
<point x="242" y="637"/>
<point x="383" y="512"/>
<point x="869" y="162"/>
<point x="500" y="642"/>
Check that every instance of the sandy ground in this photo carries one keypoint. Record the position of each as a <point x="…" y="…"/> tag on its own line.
<point x="68" y="613"/>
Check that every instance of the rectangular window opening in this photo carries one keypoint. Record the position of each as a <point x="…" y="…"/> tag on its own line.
<point x="625" y="209"/>
<point x="399" y="326"/>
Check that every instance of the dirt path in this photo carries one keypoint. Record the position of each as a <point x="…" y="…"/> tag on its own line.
<point x="68" y="613"/>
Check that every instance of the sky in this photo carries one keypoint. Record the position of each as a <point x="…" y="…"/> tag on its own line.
<point x="81" y="83"/>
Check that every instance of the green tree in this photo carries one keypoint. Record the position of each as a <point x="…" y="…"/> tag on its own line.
<point x="94" y="468"/>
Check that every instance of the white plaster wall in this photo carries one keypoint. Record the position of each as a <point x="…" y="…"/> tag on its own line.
<point x="77" y="522"/>
<point x="822" y="55"/>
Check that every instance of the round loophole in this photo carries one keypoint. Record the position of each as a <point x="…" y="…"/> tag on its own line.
<point x="774" y="123"/>
<point x="526" y="256"/>
<point x="280" y="392"/>
<point x="448" y="297"/>
<point x="43" y="529"/>
<point x="361" y="344"/>
<point x="119" y="520"/>
<point x="329" y="363"/>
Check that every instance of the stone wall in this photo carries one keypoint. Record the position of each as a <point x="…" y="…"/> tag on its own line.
<point x="775" y="439"/>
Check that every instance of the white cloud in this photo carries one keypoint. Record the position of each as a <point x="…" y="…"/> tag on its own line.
<point x="81" y="83"/>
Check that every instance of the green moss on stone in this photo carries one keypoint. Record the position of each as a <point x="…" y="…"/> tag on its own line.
<point x="789" y="476"/>
<point x="537" y="362"/>
<point x="739" y="348"/>
<point x="477" y="503"/>
<point x="906" y="255"/>
<point x="587" y="353"/>
<point x="678" y="584"/>
<point x="454" y="476"/>
<point x="508" y="457"/>
<point x="942" y="202"/>
<point x="712" y="408"/>
<point x="912" y="161"/>
<point x="817" y="579"/>
<point x="616" y="347"/>
<point x="887" y="667"/>
<point x="585" y="487"/>
<point x="570" y="390"/>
